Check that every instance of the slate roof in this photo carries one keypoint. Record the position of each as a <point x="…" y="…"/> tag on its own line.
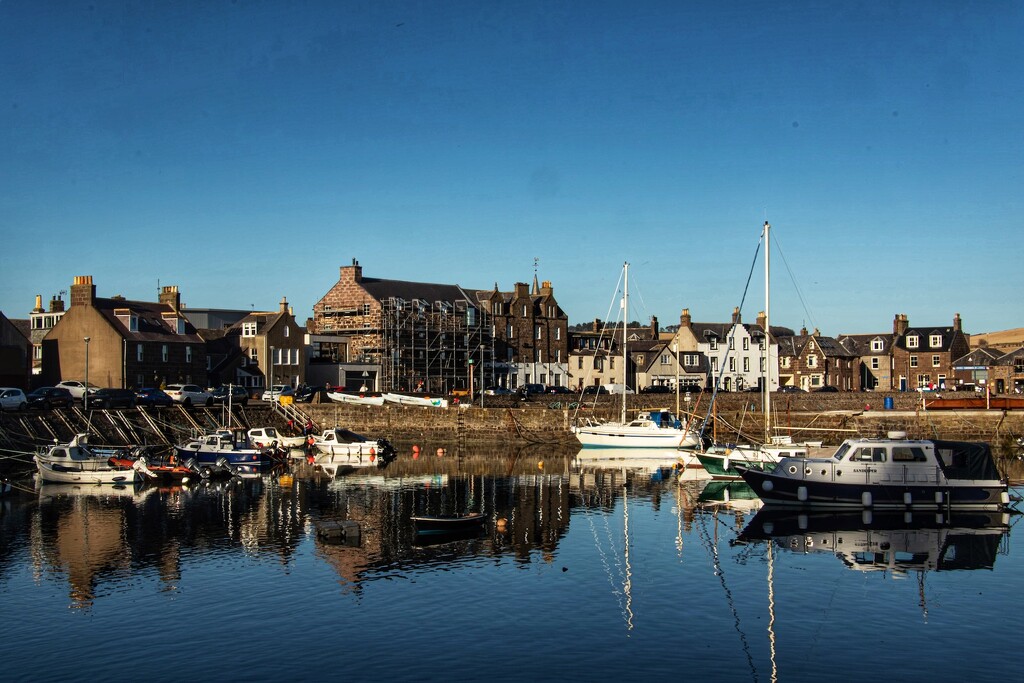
<point x="152" y="327"/>
<point x="860" y="344"/>
<point x="382" y="290"/>
<point x="948" y="334"/>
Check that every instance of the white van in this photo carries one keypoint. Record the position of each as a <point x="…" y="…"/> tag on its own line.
<point x="618" y="389"/>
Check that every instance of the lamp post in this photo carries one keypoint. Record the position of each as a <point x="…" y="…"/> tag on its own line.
<point x="85" y="394"/>
<point x="270" y="368"/>
<point x="675" y="352"/>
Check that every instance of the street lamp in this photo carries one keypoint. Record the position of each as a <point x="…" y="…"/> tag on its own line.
<point x="85" y="395"/>
<point x="270" y="368"/>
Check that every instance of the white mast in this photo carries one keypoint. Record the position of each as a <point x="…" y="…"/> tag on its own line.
<point x="625" y="316"/>
<point x="767" y="338"/>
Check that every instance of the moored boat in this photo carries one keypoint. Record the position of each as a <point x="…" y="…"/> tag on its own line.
<point x="446" y="524"/>
<point x="424" y="401"/>
<point x="263" y="437"/>
<point x="79" y="462"/>
<point x="650" y="429"/>
<point x="342" y="450"/>
<point x="890" y="473"/>
<point x="225" y="450"/>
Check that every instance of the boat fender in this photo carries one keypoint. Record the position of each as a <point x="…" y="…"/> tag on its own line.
<point x="767" y="486"/>
<point x="726" y="463"/>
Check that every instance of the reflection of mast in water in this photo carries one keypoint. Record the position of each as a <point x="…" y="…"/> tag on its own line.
<point x="716" y="561"/>
<point x="771" y="613"/>
<point x="627" y="584"/>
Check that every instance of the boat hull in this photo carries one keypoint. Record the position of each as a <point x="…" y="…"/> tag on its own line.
<point x="58" y="474"/>
<point x="610" y="437"/>
<point x="447" y="524"/>
<point x="781" y="490"/>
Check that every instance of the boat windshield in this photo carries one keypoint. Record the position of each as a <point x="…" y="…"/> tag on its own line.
<point x="843" y="450"/>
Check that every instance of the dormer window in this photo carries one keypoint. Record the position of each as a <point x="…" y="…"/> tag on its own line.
<point x="913" y="342"/>
<point x="877" y="345"/>
<point x="127" y="318"/>
<point x="713" y="344"/>
<point x="935" y="341"/>
<point x="248" y="329"/>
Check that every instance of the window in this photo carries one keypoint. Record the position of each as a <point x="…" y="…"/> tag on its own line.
<point x="287" y="331"/>
<point x="558" y="333"/>
<point x="537" y="332"/>
<point x="163" y="353"/>
<point x="188" y="354"/>
<point x="580" y="364"/>
<point x="713" y="344"/>
<point x="536" y="355"/>
<point x="254" y="355"/>
<point x="366" y="309"/>
<point x="664" y="359"/>
<point x="746" y="343"/>
<point x="746" y="364"/>
<point x="138" y="352"/>
<point x="935" y="361"/>
<point x="908" y="454"/>
<point x="524" y="310"/>
<point x="732" y="343"/>
<point x="935" y="341"/>
<point x="913" y="361"/>
<point x="877" y="345"/>
<point x="510" y="332"/>
<point x="812" y="361"/>
<point x="874" y="363"/>
<point x="714" y="364"/>
<point x="785" y="361"/>
<point x="923" y="381"/>
<point x="870" y="454"/>
<point x="912" y="342"/>
<point x="761" y="365"/>
<point x="248" y="329"/>
<point x="558" y="355"/>
<point x="732" y="364"/>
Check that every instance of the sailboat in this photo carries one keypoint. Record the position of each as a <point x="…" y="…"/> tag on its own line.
<point x="650" y="429"/>
<point x="720" y="460"/>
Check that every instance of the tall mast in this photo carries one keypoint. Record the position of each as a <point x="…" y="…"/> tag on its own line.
<point x="625" y="316"/>
<point x="767" y="337"/>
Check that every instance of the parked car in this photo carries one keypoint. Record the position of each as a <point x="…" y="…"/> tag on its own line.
<point x="275" y="392"/>
<point x="189" y="394"/>
<point x="497" y="391"/>
<point x="618" y="389"/>
<point x="77" y="388"/>
<point x="112" y="398"/>
<point x="595" y="389"/>
<point x="239" y="395"/>
<point x="150" y="396"/>
<point x="826" y="389"/>
<point x="528" y="390"/>
<point x="554" y="389"/>
<point x="306" y="394"/>
<point x="46" y="398"/>
<point x="789" y="389"/>
<point x="657" y="389"/>
<point x="12" y="399"/>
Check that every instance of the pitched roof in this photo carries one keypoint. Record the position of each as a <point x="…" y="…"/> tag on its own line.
<point x="382" y="290"/>
<point x="151" y="325"/>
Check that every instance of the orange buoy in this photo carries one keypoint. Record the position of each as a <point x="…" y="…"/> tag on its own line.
<point x="440" y="452"/>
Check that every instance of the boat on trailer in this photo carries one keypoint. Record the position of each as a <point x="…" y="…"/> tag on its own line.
<point x="890" y="473"/>
<point x="358" y="399"/>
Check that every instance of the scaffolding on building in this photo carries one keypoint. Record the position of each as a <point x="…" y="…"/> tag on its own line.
<point x="428" y="346"/>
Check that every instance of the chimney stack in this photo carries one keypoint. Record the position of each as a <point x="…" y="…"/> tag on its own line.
<point x="900" y="325"/>
<point x="736" y="315"/>
<point x="170" y="296"/>
<point x="83" y="291"/>
<point x="684" y="318"/>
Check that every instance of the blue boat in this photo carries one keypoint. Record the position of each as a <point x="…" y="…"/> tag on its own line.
<point x="224" y="450"/>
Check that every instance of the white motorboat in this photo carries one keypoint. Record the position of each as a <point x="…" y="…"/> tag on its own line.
<point x="78" y="462"/>
<point x="891" y="473"/>
<point x="342" y="450"/>
<point x="266" y="436"/>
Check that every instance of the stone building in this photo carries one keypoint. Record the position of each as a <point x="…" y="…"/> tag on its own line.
<point x="1006" y="373"/>
<point x="395" y="335"/>
<point x="923" y="357"/>
<point x="122" y="343"/>
<point x="813" y="361"/>
<point x="41" y="321"/>
<point x="872" y="360"/>
<point x="259" y="350"/>
<point x="530" y="336"/>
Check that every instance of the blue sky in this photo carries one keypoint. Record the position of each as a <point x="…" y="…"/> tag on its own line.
<point x="245" y="150"/>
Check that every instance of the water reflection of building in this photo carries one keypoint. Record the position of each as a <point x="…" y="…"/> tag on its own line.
<point x="89" y="535"/>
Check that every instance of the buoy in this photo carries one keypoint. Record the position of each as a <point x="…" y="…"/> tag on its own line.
<point x="440" y="452"/>
<point x="540" y="465"/>
<point x="415" y="449"/>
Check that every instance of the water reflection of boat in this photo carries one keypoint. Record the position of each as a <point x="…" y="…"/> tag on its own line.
<point x="659" y="463"/>
<point x="735" y="495"/>
<point x="898" y="542"/>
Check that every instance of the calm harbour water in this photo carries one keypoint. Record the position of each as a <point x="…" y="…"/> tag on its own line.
<point x="596" y="573"/>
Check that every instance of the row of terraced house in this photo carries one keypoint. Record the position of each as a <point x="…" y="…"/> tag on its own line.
<point x="396" y="335"/>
